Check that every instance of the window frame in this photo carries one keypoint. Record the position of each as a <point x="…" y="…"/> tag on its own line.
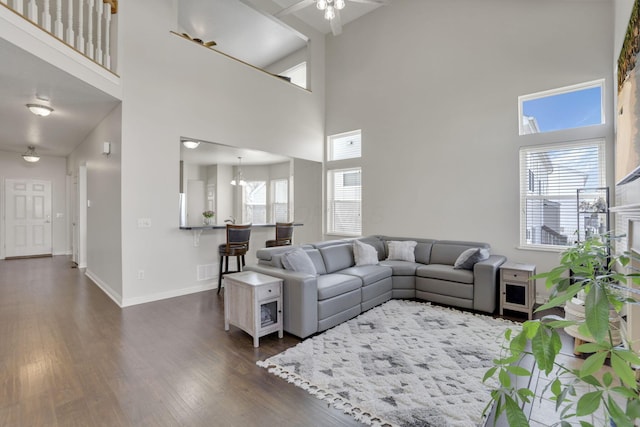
<point x="525" y="185"/>
<point x="559" y="91"/>
<point x="245" y="216"/>
<point x="331" y="148"/>
<point x="330" y="179"/>
<point x="272" y="199"/>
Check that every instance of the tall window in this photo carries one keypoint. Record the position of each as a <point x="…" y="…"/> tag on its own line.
<point x="344" y="200"/>
<point x="344" y="184"/>
<point x="563" y="108"/>
<point x="280" y="200"/>
<point x="254" y="202"/>
<point x="550" y="176"/>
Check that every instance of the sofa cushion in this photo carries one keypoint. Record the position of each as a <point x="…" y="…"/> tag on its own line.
<point x="402" y="250"/>
<point x="368" y="273"/>
<point x="447" y="252"/>
<point x="445" y="272"/>
<point x="337" y="257"/>
<point x="298" y="260"/>
<point x="377" y="243"/>
<point x="364" y="254"/>
<point x="332" y="285"/>
<point x="401" y="268"/>
<point x="470" y="257"/>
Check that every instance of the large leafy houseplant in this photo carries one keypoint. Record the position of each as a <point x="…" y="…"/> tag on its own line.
<point x="588" y="267"/>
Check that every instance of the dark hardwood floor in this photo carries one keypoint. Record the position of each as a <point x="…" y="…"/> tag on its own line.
<point x="70" y="356"/>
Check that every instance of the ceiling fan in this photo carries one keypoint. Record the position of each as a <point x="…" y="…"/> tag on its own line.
<point x="331" y="9"/>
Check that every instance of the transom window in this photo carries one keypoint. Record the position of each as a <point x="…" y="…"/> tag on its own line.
<point x="564" y="108"/>
<point x="345" y="146"/>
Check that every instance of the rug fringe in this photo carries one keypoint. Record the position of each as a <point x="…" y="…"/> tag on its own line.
<point x="336" y="401"/>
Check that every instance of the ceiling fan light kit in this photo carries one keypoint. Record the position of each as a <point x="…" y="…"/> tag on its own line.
<point x="330" y="7"/>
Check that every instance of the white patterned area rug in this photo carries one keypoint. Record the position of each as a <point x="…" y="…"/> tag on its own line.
<point x="403" y="363"/>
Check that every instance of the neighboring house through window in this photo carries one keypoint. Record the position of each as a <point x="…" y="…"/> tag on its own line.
<point x="254" y="202"/>
<point x="344" y="184"/>
<point x="279" y="196"/>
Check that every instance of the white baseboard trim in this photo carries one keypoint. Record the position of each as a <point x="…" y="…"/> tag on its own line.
<point x="116" y="297"/>
<point x="62" y="253"/>
<point x="170" y="294"/>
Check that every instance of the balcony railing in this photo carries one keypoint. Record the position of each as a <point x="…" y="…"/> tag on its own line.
<point x="85" y="25"/>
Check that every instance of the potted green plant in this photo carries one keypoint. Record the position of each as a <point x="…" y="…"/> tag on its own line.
<point x="589" y="268"/>
<point x="208" y="217"/>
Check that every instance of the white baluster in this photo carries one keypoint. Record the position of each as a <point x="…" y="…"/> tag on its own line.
<point x="107" y="36"/>
<point x="80" y="40"/>
<point x="46" y="16"/>
<point x="18" y="6"/>
<point x="70" y="34"/>
<point x="32" y="11"/>
<point x="99" y="10"/>
<point x="58" y="30"/>
<point x="89" y="49"/>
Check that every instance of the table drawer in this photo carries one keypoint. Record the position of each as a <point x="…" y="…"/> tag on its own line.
<point x="515" y="275"/>
<point x="269" y="291"/>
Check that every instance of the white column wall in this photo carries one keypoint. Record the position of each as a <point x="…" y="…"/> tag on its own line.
<point x="173" y="87"/>
<point x="103" y="241"/>
<point x="434" y="87"/>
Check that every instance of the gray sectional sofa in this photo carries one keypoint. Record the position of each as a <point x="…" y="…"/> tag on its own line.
<point x="340" y="290"/>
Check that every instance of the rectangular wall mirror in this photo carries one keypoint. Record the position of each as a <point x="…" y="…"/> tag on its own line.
<point x="248" y="34"/>
<point x="239" y="185"/>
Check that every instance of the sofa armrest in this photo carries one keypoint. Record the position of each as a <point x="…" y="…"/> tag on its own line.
<point x="299" y="299"/>
<point x="485" y="286"/>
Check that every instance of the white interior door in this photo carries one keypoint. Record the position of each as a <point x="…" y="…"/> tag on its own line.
<point x="28" y="217"/>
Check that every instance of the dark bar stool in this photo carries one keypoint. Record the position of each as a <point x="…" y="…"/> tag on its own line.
<point x="237" y="245"/>
<point x="284" y="235"/>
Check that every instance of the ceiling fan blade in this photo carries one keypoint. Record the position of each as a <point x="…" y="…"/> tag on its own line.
<point x="380" y="2"/>
<point x="294" y="7"/>
<point x="336" y="24"/>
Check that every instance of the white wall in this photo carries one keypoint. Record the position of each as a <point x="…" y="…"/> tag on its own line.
<point x="173" y="87"/>
<point x="104" y="251"/>
<point x="434" y="84"/>
<point x="48" y="168"/>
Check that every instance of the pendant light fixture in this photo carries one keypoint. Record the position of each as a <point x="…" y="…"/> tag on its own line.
<point x="238" y="179"/>
<point x="31" y="156"/>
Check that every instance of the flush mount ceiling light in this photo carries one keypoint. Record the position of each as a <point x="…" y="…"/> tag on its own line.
<point x="190" y="144"/>
<point x="40" y="110"/>
<point x="31" y="156"/>
<point x="239" y="179"/>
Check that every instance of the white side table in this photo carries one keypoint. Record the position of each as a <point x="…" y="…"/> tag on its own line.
<point x="517" y="290"/>
<point x="253" y="303"/>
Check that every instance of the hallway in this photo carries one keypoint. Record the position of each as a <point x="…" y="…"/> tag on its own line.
<point x="70" y="356"/>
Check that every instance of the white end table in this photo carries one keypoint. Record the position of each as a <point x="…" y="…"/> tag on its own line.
<point x="517" y="290"/>
<point x="253" y="303"/>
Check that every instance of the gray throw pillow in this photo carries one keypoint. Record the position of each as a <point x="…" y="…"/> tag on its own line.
<point x="298" y="260"/>
<point x="470" y="257"/>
